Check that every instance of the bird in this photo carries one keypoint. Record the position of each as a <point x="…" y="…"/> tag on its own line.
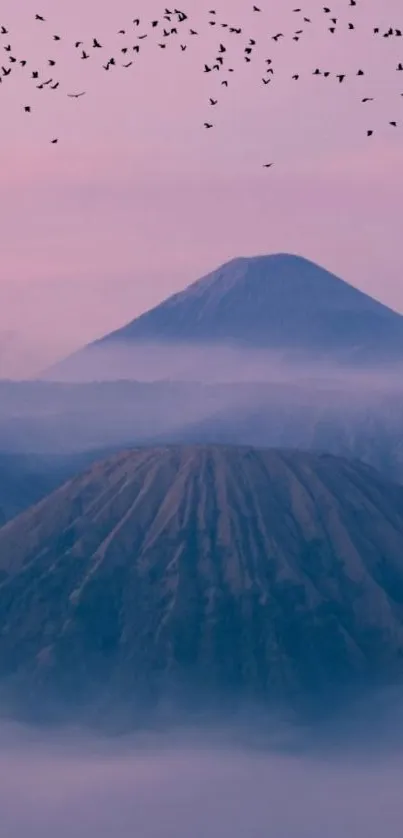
<point x="172" y="20"/>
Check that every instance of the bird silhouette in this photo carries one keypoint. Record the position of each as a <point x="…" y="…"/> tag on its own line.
<point x="224" y="61"/>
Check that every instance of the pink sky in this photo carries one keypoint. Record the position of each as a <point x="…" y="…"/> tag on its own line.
<point x="138" y="200"/>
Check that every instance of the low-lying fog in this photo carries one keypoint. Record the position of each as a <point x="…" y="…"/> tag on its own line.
<point x="165" y="786"/>
<point x="218" y="364"/>
<point x="270" y="403"/>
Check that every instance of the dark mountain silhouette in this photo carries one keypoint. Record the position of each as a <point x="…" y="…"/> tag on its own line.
<point x="281" y="303"/>
<point x="27" y="478"/>
<point x="24" y="480"/>
<point x="266" y="573"/>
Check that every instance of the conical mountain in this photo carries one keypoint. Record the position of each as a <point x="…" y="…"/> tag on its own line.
<point x="280" y="303"/>
<point x="267" y="573"/>
<point x="266" y="301"/>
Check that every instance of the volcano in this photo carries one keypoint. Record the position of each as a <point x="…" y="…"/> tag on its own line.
<point x="218" y="569"/>
<point x="280" y="304"/>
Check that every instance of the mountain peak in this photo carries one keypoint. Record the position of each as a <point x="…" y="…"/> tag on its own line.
<point x="268" y="269"/>
<point x="274" y="301"/>
<point x="280" y="303"/>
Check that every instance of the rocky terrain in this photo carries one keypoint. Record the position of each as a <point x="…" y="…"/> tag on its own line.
<point x="262" y="573"/>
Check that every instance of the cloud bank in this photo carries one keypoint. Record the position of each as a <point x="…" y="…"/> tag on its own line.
<point x="159" y="786"/>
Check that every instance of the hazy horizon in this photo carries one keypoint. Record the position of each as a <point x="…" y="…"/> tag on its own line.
<point x="222" y="363"/>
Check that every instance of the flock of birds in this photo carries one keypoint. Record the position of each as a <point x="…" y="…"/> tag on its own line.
<point x="176" y="24"/>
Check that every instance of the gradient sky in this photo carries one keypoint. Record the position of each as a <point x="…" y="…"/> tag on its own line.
<point x="137" y="200"/>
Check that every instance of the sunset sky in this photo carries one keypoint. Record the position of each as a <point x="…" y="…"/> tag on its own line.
<point x="137" y="199"/>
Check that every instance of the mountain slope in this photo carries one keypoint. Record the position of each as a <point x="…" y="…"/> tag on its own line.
<point x="265" y="572"/>
<point x="257" y="301"/>
<point x="23" y="481"/>
<point x="282" y="303"/>
<point x="27" y="478"/>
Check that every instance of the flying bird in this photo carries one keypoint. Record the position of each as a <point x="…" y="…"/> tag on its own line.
<point x="224" y="60"/>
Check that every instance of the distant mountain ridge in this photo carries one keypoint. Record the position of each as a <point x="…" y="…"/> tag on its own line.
<point x="280" y="303"/>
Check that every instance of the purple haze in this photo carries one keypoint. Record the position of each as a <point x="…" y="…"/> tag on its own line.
<point x="137" y="200"/>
